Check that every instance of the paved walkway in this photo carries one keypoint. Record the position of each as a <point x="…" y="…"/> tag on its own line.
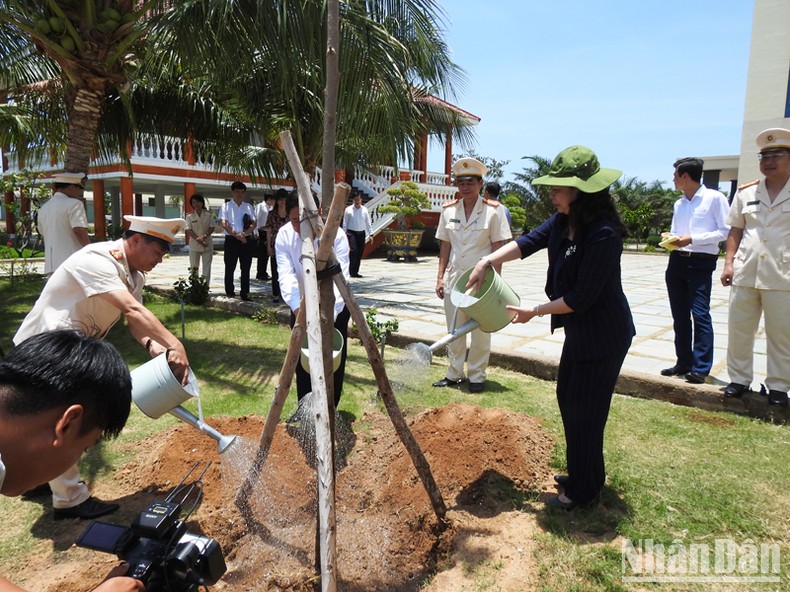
<point x="406" y="291"/>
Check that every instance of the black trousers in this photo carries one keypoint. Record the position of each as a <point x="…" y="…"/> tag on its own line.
<point x="584" y="394"/>
<point x="303" y="383"/>
<point x="263" y="254"/>
<point x="689" y="282"/>
<point x="356" y="243"/>
<point x="241" y="253"/>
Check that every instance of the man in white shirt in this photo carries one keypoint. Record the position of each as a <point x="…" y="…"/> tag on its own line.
<point x="238" y="220"/>
<point x="60" y="393"/>
<point x="700" y="223"/>
<point x="288" y="249"/>
<point x="90" y="292"/>
<point x="262" y="214"/>
<point x="62" y="220"/>
<point x="356" y="222"/>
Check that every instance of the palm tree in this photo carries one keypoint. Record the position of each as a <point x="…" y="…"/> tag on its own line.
<point x="61" y="58"/>
<point x="392" y="55"/>
<point x="229" y="75"/>
<point x="535" y="200"/>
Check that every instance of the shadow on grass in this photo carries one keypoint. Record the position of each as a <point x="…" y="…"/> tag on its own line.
<point x="586" y="525"/>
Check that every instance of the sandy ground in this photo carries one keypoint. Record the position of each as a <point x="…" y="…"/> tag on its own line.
<point x="484" y="461"/>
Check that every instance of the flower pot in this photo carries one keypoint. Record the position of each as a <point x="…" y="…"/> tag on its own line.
<point x="402" y="243"/>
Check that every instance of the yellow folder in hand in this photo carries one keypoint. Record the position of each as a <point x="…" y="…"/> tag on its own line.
<point x="669" y="243"/>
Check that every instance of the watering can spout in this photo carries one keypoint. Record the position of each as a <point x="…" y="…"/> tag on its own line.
<point x="223" y="441"/>
<point x="467" y="327"/>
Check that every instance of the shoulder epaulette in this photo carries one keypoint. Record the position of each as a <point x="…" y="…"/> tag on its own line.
<point x="451" y="203"/>
<point x="491" y="202"/>
<point x="749" y="184"/>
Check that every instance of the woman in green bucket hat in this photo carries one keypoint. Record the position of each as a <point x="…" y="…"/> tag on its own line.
<point x="584" y="240"/>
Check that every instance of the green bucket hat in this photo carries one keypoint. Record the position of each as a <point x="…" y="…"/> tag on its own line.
<point x="577" y="166"/>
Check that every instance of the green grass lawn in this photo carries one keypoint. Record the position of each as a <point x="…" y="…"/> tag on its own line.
<point x="674" y="473"/>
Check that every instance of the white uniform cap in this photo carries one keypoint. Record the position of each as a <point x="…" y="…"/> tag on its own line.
<point x="776" y="137"/>
<point x="69" y="178"/>
<point x="163" y="228"/>
<point x="469" y="167"/>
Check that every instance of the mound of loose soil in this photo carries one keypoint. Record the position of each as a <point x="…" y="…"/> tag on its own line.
<point x="387" y="536"/>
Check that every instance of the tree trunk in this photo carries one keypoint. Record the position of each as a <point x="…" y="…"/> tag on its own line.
<point x="83" y="125"/>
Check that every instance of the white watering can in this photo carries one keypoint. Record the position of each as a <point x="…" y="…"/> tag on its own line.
<point x="156" y="391"/>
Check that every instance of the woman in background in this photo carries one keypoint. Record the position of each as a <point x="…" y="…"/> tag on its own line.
<point x="200" y="225"/>
<point x="584" y="240"/>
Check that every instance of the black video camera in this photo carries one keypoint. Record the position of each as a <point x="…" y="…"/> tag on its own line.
<point x="159" y="550"/>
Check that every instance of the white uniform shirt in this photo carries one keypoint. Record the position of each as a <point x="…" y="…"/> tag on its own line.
<point x="56" y="220"/>
<point x="2" y="472"/>
<point x="200" y="224"/>
<point x="288" y="249"/>
<point x="471" y="238"/>
<point x="704" y="217"/>
<point x="69" y="298"/>
<point x="234" y="214"/>
<point x="357" y="219"/>
<point x="763" y="257"/>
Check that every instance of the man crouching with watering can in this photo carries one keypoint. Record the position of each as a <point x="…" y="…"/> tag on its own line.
<point x="470" y="227"/>
<point x="89" y="292"/>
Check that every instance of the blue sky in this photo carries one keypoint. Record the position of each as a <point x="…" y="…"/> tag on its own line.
<point x="640" y="82"/>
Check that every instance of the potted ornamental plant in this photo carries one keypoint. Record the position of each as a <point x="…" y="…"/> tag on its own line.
<point x="406" y="202"/>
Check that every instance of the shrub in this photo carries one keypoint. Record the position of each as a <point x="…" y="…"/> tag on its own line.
<point x="653" y="240"/>
<point x="192" y="290"/>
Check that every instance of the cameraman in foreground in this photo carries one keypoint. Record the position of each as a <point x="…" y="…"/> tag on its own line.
<point x="61" y="392"/>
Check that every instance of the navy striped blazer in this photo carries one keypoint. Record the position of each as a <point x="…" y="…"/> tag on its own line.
<point x="587" y="275"/>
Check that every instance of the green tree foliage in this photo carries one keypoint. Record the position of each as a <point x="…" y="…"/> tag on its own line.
<point x="406" y="202"/>
<point x="535" y="200"/>
<point x="518" y="216"/>
<point x="229" y="75"/>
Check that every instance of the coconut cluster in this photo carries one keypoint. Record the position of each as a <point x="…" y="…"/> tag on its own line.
<point x="61" y="30"/>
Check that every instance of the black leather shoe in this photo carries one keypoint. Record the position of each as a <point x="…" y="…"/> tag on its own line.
<point x="477" y="387"/>
<point x="355" y="275"/>
<point x="675" y="371"/>
<point x="448" y="382"/>
<point x="245" y="297"/>
<point x="88" y="510"/>
<point x="735" y="390"/>
<point x="696" y="377"/>
<point x="43" y="490"/>
<point x="777" y="398"/>
<point x="557" y="503"/>
<point x="561" y="480"/>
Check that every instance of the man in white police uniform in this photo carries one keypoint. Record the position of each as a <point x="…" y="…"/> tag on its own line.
<point x="62" y="220"/>
<point x="470" y="227"/>
<point x="757" y="267"/>
<point x="90" y="292"/>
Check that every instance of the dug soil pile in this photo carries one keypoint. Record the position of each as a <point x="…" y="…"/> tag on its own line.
<point x="483" y="460"/>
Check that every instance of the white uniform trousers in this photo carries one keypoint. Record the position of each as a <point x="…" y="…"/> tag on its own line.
<point x="746" y="306"/>
<point x="479" y="349"/>
<point x="205" y="257"/>
<point x="68" y="490"/>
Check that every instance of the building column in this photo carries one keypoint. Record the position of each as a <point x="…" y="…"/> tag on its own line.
<point x="159" y="203"/>
<point x="127" y="200"/>
<point x="99" y="211"/>
<point x="448" y="157"/>
<point x="189" y="191"/>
